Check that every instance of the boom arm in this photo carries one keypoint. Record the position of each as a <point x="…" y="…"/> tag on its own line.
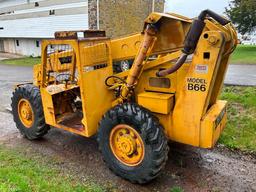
<point x="154" y="32"/>
<point x="192" y="38"/>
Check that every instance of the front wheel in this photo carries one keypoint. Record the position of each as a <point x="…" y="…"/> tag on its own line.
<point x="28" y="112"/>
<point x="133" y="143"/>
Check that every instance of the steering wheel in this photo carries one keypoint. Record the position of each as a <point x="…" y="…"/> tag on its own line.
<point x="63" y="77"/>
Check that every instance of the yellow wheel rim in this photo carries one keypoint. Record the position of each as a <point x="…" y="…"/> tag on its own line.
<point x="127" y="145"/>
<point x="25" y="112"/>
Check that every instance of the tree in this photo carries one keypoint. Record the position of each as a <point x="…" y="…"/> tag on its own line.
<point x="243" y="14"/>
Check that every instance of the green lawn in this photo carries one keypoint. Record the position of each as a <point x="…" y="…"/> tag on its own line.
<point x="240" y="132"/>
<point x="19" y="173"/>
<point x="26" y="61"/>
<point x="244" y="54"/>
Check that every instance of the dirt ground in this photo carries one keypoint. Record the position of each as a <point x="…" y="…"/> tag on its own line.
<point x="190" y="168"/>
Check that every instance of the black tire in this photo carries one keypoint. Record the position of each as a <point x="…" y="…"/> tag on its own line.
<point x="32" y="94"/>
<point x="151" y="132"/>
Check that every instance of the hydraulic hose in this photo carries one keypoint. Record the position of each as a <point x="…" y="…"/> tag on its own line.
<point x="177" y="65"/>
<point x="192" y="39"/>
<point x="221" y="20"/>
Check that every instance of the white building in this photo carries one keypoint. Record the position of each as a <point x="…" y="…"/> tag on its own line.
<point x="248" y="39"/>
<point x="24" y="23"/>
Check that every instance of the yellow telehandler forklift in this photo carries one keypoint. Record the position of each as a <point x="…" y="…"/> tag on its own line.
<point x="135" y="92"/>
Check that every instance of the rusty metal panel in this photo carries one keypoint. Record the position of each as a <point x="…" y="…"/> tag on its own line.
<point x="75" y="34"/>
<point x="94" y="33"/>
<point x="65" y="35"/>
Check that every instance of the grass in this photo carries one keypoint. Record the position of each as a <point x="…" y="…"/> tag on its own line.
<point x="26" y="61"/>
<point x="240" y="132"/>
<point x="19" y="173"/>
<point x="244" y="54"/>
<point x="176" y="189"/>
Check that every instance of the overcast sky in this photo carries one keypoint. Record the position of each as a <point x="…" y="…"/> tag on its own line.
<point x="192" y="8"/>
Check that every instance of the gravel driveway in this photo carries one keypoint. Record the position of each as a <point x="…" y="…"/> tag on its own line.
<point x="10" y="76"/>
<point x="241" y="75"/>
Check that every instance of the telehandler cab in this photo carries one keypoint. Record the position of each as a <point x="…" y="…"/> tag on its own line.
<point x="135" y="92"/>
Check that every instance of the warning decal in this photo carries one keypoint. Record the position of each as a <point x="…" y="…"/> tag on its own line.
<point x="202" y="69"/>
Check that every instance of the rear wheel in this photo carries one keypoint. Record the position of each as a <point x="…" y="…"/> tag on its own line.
<point x="28" y="112"/>
<point x="133" y="143"/>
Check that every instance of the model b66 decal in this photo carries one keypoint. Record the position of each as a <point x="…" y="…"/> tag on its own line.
<point x="196" y="84"/>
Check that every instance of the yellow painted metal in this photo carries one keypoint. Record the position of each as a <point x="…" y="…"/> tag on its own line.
<point x="206" y="73"/>
<point x="36" y="74"/>
<point x="138" y="64"/>
<point x="193" y="102"/>
<point x="54" y="58"/>
<point x="97" y="99"/>
<point x="48" y="107"/>
<point x="155" y="63"/>
<point x="26" y="113"/>
<point x="173" y="31"/>
<point x="156" y="102"/>
<point x="212" y="124"/>
<point x="127" y="145"/>
<point x="185" y="107"/>
<point x="145" y="81"/>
